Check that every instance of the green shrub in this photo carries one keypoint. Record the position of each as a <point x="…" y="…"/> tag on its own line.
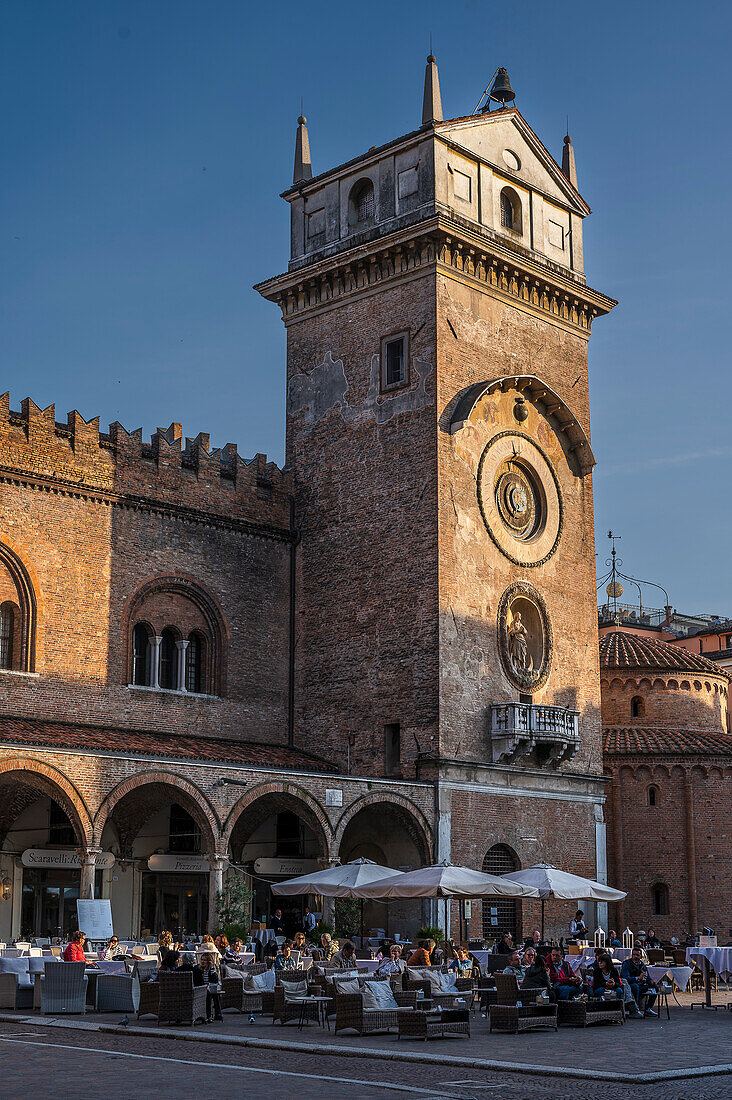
<point x="320" y="928"/>
<point x="429" y="933"/>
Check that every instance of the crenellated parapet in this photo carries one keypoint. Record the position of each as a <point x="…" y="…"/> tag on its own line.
<point x="182" y="473"/>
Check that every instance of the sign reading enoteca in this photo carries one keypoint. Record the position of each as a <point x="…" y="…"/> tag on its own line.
<point x="63" y="857"/>
<point x="164" y="861"/>
<point x="285" y="866"/>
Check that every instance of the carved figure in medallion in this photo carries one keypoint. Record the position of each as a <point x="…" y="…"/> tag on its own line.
<point x="518" y="637"/>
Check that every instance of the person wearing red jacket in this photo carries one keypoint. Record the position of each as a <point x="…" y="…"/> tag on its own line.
<point x="74" y="951"/>
<point x="565" y="985"/>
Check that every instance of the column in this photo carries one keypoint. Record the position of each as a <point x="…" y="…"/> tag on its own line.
<point x="329" y="903"/>
<point x="155" y="661"/>
<point x="181" y="646"/>
<point x="616" y="793"/>
<point x="88" y="868"/>
<point x="215" y="887"/>
<point x="690" y="852"/>
<point x="600" y="864"/>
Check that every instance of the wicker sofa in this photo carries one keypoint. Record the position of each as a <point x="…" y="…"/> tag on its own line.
<point x="350" y="1013"/>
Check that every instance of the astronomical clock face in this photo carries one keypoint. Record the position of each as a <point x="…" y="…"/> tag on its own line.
<point x="519" y="499"/>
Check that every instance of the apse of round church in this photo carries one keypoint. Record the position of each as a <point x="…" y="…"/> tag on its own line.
<point x="524" y="636"/>
<point x="519" y="498"/>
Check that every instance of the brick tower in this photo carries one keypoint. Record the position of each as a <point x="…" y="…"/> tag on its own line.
<point x="437" y="318"/>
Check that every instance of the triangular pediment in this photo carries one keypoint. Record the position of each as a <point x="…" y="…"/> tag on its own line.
<point x="499" y="136"/>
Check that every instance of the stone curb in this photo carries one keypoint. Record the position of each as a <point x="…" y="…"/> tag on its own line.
<point x="192" y="1036"/>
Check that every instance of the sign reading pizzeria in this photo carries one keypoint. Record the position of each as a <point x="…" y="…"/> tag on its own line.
<point x="178" y="864"/>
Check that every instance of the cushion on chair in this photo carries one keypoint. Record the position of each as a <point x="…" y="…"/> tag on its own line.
<point x="448" y="984"/>
<point x="378" y="995"/>
<point x="19" y="967"/>
<point x="349" y="985"/>
<point x="417" y="974"/>
<point x="261" y="983"/>
<point x="295" y="991"/>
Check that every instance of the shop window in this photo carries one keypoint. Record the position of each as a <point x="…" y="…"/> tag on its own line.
<point x="168" y="674"/>
<point x="184" y="833"/>
<point x="392" y="749"/>
<point x="659" y="893"/>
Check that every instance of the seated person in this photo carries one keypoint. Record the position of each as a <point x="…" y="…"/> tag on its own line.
<point x="394" y="964"/>
<point x="535" y="972"/>
<point x="285" y="961"/>
<point x="514" y="967"/>
<point x="533" y="940"/>
<point x="461" y="963"/>
<point x="635" y="972"/>
<point x="271" y="950"/>
<point x="505" y="945"/>
<point x="346" y="957"/>
<point x="652" y="939"/>
<point x="604" y="978"/>
<point x="188" y="964"/>
<point x="233" y="951"/>
<point x="111" y="950"/>
<point x="74" y="951"/>
<point x="421" y="956"/>
<point x="565" y="985"/>
<point x="329" y="947"/>
<point x="301" y="945"/>
<point x="577" y="927"/>
<point x="613" y="940"/>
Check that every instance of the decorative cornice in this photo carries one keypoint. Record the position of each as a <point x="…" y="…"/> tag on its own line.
<point x="452" y="246"/>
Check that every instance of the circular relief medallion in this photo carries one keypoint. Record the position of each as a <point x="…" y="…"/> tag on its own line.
<point x="519" y="498"/>
<point x="524" y="636"/>
<point x="511" y="159"/>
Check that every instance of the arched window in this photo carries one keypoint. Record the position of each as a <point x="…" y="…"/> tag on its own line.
<point x="168" y="673"/>
<point x="500" y="914"/>
<point x="510" y="210"/>
<point x="653" y="796"/>
<point x="194" y="663"/>
<point x="141" y="655"/>
<point x="659" y="899"/>
<point x="637" y="707"/>
<point x="7" y="626"/>
<point x="361" y="203"/>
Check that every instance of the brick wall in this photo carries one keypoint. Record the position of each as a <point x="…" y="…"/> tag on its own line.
<point x="667" y="700"/>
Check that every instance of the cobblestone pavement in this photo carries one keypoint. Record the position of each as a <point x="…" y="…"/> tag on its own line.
<point x="64" y="1063"/>
<point x="689" y="1039"/>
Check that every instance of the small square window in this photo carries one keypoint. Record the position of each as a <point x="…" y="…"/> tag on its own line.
<point x="394" y="361"/>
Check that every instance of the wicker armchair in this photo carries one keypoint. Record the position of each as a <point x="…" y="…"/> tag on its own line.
<point x="583" y="1013"/>
<point x="351" y="1015"/>
<point x="464" y="985"/>
<point x="149" y="998"/>
<point x="63" y="988"/>
<point x="118" y="993"/>
<point x="181" y="1002"/>
<point x="507" y="1015"/>
<point x="14" y="995"/>
<point x="289" y="1008"/>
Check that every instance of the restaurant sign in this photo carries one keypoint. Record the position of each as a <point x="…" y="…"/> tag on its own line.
<point x="165" y="861"/>
<point x="285" y="866"/>
<point x="63" y="857"/>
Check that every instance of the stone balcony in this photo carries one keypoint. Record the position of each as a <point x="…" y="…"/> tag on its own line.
<point x="533" y="733"/>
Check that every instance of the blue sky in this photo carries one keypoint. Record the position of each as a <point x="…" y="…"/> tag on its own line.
<point x="145" y="146"/>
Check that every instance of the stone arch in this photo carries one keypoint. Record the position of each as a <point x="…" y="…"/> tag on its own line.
<point x="548" y="403"/>
<point x="685" y="685"/>
<point x="422" y="832"/>
<point x="50" y="782"/>
<point x="287" y="796"/>
<point x="188" y="588"/>
<point x="658" y="682"/>
<point x="673" y="685"/>
<point x="191" y="798"/>
<point x="26" y="586"/>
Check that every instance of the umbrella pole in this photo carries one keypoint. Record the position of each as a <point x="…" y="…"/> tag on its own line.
<point x="542" y="920"/>
<point x="362" y="924"/>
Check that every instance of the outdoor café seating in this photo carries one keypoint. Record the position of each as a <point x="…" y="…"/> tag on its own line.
<point x="373" y="1007"/>
<point x="16" y="983"/>
<point x="118" y="993"/>
<point x="63" y="988"/>
<point x="181" y="1002"/>
<point x="510" y="1015"/>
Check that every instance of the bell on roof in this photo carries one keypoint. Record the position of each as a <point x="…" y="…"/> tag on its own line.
<point x="501" y="90"/>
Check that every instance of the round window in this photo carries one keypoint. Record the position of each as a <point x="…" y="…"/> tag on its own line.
<point x="511" y="160"/>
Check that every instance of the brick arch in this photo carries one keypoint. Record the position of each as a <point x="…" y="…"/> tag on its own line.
<point x="53" y="783"/>
<point x="188" y="588"/>
<point x="193" y="800"/>
<point x="26" y="584"/>
<point x="288" y="796"/>
<point x="422" y="827"/>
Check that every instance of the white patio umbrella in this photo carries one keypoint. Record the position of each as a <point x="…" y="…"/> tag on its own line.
<point x="551" y="882"/>
<point x="444" y="880"/>
<point x="337" y="882"/>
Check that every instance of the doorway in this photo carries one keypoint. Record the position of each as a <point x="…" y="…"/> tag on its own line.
<point x="174" y="903"/>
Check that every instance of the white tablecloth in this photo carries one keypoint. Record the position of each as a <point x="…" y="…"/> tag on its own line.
<point x="680" y="974"/>
<point x="368" y="964"/>
<point x="264" y="935"/>
<point x="720" y="958"/>
<point x="482" y="958"/>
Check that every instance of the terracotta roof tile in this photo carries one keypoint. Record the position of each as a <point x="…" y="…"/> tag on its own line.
<point x="62" y="735"/>
<point x="649" y="740"/>
<point x="619" y="649"/>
